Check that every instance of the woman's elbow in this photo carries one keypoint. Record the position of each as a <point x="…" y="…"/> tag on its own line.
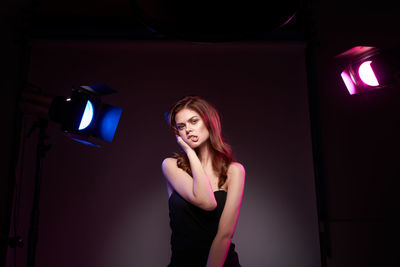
<point x="208" y="206"/>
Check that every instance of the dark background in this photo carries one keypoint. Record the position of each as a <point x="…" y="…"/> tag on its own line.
<point x="101" y="207"/>
<point x="353" y="139"/>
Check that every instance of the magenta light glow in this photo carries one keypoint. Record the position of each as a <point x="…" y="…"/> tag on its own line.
<point x="348" y="82"/>
<point x="367" y="75"/>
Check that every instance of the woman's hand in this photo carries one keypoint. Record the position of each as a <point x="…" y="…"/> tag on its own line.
<point x="183" y="144"/>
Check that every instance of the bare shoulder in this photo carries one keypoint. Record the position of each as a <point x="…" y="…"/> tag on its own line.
<point x="236" y="173"/>
<point x="235" y="168"/>
<point x="168" y="163"/>
<point x="168" y="167"/>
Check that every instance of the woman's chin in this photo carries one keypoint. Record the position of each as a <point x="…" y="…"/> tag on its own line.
<point x="194" y="146"/>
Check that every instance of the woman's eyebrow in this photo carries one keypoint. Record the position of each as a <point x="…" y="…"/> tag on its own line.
<point x="191" y="118"/>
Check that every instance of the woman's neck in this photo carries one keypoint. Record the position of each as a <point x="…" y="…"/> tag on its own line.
<point x="205" y="155"/>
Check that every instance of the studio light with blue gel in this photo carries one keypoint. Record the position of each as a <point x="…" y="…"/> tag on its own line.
<point x="87" y="116"/>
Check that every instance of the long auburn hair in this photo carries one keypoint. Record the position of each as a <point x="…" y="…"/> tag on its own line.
<point x="221" y="151"/>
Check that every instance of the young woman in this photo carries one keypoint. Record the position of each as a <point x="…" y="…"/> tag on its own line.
<point x="205" y="187"/>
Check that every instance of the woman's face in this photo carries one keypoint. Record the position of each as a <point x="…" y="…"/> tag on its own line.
<point x="191" y="127"/>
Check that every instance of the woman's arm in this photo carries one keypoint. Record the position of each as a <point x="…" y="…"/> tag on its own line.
<point x="229" y="217"/>
<point x="197" y="189"/>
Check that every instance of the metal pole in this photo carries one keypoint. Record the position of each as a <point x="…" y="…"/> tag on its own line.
<point x="42" y="148"/>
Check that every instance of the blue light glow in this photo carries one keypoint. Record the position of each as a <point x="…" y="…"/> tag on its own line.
<point x="109" y="123"/>
<point x="87" y="116"/>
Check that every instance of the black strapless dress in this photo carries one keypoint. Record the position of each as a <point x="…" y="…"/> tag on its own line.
<point x="193" y="231"/>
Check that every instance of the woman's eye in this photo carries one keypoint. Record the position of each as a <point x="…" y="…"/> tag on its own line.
<point x="194" y="121"/>
<point x="180" y="127"/>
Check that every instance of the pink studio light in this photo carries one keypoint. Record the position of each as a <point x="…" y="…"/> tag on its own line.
<point x="348" y="82"/>
<point x="358" y="75"/>
<point x="367" y="75"/>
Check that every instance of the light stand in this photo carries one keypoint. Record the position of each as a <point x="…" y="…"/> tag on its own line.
<point x="41" y="150"/>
